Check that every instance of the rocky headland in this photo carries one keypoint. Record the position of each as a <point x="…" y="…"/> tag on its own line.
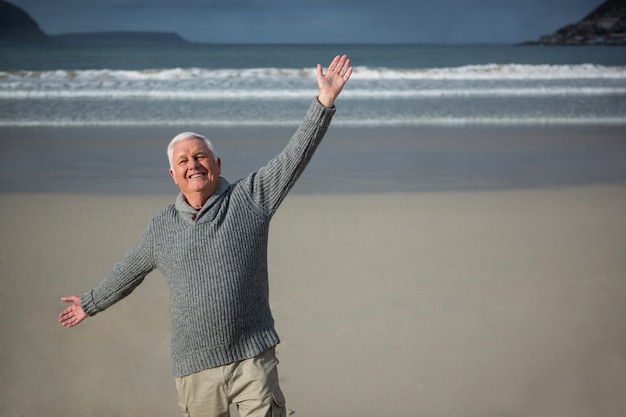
<point x="16" y="25"/>
<point x="606" y="25"/>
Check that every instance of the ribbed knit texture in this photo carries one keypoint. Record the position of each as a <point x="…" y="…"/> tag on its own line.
<point x="216" y="265"/>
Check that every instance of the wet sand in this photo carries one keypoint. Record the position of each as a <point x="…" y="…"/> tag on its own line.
<point x="132" y="161"/>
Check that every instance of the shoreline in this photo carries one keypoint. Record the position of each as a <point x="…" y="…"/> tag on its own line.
<point x="130" y="161"/>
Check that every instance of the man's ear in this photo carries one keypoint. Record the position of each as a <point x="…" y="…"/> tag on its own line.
<point x="172" y="175"/>
<point x="219" y="165"/>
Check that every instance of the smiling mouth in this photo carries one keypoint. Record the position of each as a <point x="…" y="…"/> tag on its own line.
<point x="194" y="176"/>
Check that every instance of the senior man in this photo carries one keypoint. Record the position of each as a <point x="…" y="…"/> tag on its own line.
<point x="211" y="246"/>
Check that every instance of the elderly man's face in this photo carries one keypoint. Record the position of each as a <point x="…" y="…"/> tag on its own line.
<point x="195" y="169"/>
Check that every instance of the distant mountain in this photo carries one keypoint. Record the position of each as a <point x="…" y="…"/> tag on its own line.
<point x="17" y="26"/>
<point x="119" y="37"/>
<point x="606" y="25"/>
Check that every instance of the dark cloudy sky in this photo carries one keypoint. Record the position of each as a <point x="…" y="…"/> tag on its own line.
<point x="316" y="21"/>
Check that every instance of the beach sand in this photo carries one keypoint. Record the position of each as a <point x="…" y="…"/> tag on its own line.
<point x="491" y="303"/>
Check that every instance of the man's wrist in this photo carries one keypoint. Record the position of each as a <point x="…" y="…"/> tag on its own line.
<point x="326" y="101"/>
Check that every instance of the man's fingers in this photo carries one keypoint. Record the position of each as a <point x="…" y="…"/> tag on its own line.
<point x="70" y="318"/>
<point x="69" y="323"/>
<point x="342" y="68"/>
<point x="66" y="314"/>
<point x="70" y="299"/>
<point x="338" y="64"/>
<point x="348" y="73"/>
<point x="333" y="64"/>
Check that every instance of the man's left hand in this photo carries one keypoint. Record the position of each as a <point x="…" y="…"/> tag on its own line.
<point x="331" y="83"/>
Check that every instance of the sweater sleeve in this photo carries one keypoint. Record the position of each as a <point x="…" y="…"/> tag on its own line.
<point x="270" y="184"/>
<point x="122" y="279"/>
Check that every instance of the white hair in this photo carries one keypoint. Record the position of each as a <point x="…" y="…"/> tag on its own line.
<point x="184" y="136"/>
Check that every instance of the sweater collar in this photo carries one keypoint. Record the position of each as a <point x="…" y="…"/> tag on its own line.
<point x="192" y="215"/>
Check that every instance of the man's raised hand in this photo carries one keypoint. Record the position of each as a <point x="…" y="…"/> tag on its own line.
<point x="331" y="83"/>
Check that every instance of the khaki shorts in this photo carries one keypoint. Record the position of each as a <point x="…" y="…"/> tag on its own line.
<point x="251" y="385"/>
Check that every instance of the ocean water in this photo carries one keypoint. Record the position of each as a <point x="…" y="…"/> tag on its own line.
<point x="97" y="118"/>
<point x="269" y="85"/>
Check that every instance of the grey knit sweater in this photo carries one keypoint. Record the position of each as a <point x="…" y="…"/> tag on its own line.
<point x="215" y="260"/>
